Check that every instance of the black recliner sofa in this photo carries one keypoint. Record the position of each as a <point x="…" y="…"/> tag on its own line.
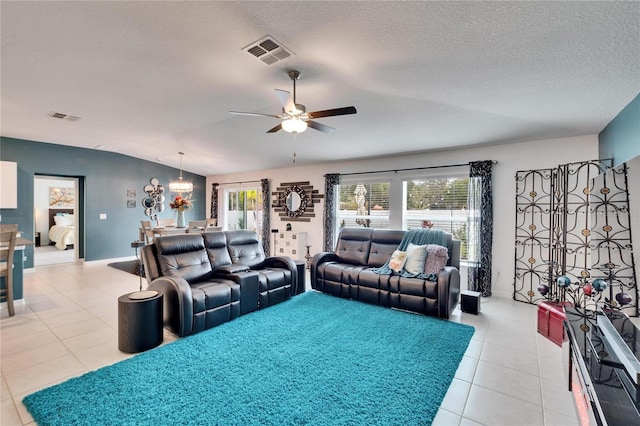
<point x="211" y="278"/>
<point x="347" y="273"/>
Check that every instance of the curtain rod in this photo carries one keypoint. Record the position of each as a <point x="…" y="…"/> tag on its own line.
<point x="409" y="169"/>
<point x="234" y="183"/>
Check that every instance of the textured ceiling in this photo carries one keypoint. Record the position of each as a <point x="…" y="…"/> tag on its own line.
<point x="149" y="79"/>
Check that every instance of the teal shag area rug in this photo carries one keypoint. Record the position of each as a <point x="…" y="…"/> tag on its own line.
<point x="312" y="360"/>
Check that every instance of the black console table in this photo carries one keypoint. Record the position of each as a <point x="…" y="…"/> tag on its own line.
<point x="302" y="277"/>
<point x="605" y="392"/>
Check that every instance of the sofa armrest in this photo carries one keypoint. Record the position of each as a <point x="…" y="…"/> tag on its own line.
<point x="448" y="290"/>
<point x="177" y="303"/>
<point x="319" y="258"/>
<point x="283" y="262"/>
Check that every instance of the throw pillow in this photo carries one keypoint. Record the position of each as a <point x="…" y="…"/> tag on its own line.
<point x="437" y="257"/>
<point x="398" y="258"/>
<point x="63" y="220"/>
<point x="416" y="256"/>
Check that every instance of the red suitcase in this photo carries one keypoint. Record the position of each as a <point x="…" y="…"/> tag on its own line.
<point x="550" y="320"/>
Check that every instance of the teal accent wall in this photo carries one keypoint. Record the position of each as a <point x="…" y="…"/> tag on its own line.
<point x="106" y="176"/>
<point x="620" y="140"/>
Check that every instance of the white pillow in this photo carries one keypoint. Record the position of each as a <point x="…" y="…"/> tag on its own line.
<point x="398" y="258"/>
<point x="416" y="256"/>
<point x="63" y="220"/>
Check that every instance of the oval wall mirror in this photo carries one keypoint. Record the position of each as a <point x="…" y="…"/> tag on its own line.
<point x="295" y="201"/>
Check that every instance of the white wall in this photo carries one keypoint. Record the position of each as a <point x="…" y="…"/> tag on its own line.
<point x="510" y="157"/>
<point x="633" y="177"/>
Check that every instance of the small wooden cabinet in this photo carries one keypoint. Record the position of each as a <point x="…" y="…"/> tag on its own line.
<point x="291" y="244"/>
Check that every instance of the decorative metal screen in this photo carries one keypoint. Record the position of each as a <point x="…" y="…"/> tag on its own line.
<point x="611" y="244"/>
<point x="570" y="236"/>
<point x="554" y="235"/>
<point x="534" y="199"/>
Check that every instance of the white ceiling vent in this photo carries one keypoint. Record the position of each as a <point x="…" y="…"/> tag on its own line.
<point x="62" y="116"/>
<point x="268" y="50"/>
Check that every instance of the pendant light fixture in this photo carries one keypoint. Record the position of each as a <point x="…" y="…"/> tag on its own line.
<point x="180" y="185"/>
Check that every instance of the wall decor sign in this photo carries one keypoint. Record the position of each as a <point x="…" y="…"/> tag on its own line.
<point x="131" y="193"/>
<point x="61" y="197"/>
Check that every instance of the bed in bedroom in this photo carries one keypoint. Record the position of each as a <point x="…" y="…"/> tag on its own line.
<point x="62" y="231"/>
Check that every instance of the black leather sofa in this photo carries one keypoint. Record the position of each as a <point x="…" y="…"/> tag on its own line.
<point x="210" y="278"/>
<point x="347" y="273"/>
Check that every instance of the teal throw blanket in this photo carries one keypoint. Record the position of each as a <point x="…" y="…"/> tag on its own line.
<point x="418" y="237"/>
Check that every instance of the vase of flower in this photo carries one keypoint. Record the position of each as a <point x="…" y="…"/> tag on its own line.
<point x="181" y="223"/>
<point x="180" y="204"/>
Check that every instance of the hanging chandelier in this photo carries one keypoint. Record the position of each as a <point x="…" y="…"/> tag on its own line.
<point x="181" y="185"/>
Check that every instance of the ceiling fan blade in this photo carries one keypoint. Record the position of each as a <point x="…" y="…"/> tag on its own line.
<point x="333" y="112"/>
<point x="257" y="114"/>
<point x="286" y="100"/>
<point x="322" y="127"/>
<point x="275" y="129"/>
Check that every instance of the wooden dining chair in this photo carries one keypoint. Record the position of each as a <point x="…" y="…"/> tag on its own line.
<point x="8" y="240"/>
<point x="196" y="226"/>
<point x="148" y="231"/>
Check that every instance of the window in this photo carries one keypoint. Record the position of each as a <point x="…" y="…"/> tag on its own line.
<point x="242" y="209"/>
<point x="407" y="201"/>
<point x="439" y="203"/>
<point x="363" y="204"/>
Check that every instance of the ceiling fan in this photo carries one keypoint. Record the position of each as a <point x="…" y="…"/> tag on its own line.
<point x="294" y="117"/>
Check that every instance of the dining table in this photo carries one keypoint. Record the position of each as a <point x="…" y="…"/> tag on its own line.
<point x="161" y="231"/>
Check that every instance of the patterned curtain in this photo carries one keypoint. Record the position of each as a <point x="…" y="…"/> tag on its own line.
<point x="480" y="227"/>
<point x="214" y="202"/>
<point x="266" y="216"/>
<point x="331" y="182"/>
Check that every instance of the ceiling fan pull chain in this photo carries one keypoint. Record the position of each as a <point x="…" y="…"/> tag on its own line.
<point x="294" y="147"/>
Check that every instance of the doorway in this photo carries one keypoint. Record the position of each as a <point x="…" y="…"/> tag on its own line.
<point x="56" y="220"/>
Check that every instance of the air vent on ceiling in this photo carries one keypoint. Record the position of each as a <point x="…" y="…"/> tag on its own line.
<point x="268" y="50"/>
<point x="62" y="116"/>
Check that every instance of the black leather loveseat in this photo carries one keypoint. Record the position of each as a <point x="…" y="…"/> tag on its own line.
<point x="211" y="278"/>
<point x="348" y="273"/>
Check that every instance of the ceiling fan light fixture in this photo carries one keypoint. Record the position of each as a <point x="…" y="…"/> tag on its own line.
<point x="294" y="125"/>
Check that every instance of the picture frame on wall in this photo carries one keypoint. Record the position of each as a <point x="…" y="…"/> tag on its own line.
<point x="131" y="193"/>
<point x="61" y="197"/>
<point x="131" y="204"/>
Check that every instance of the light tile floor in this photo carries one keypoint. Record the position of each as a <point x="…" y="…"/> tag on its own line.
<point x="510" y="375"/>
